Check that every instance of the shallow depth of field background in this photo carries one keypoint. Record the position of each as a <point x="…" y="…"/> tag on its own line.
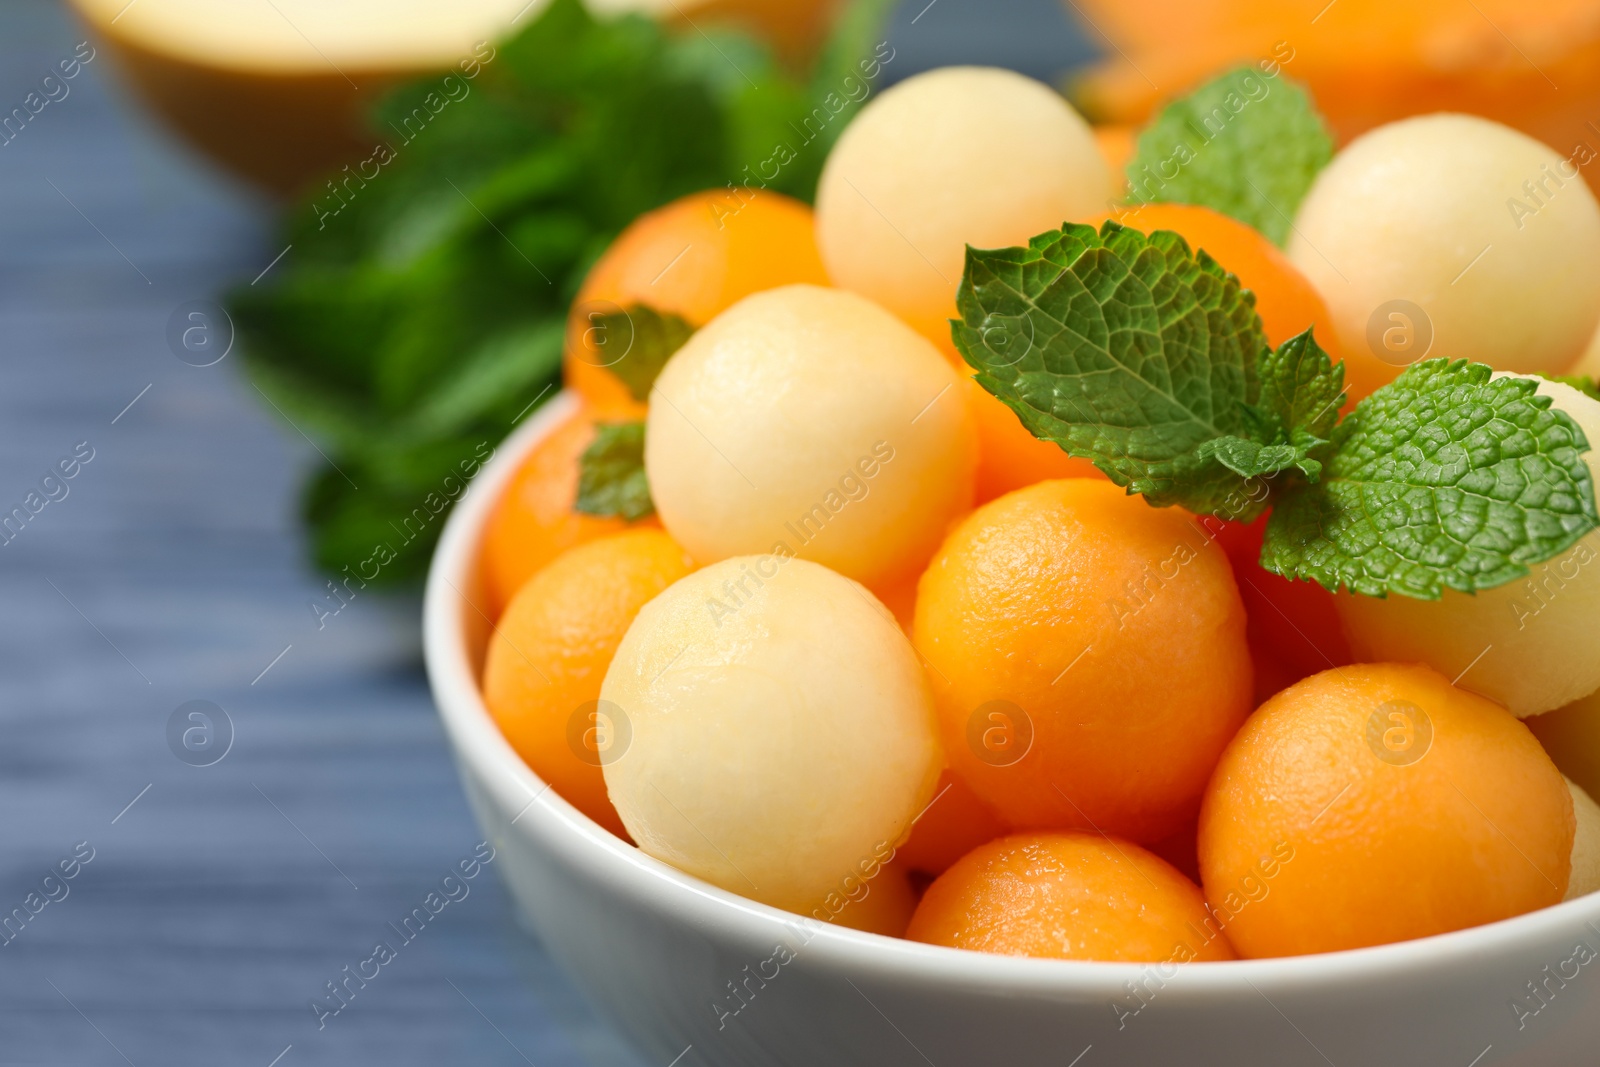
<point x="221" y="899"/>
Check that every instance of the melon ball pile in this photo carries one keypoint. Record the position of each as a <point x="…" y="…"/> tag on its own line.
<point x="881" y="658"/>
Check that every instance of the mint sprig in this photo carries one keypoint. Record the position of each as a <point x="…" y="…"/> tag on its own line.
<point x="1122" y="348"/>
<point x="1246" y="143"/>
<point x="1301" y="391"/>
<point x="1150" y="361"/>
<point x="611" y="475"/>
<point x="636" y="342"/>
<point x="1446" y="478"/>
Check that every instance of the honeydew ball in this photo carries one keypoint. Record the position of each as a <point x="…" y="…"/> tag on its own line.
<point x="1532" y="644"/>
<point x="956" y="156"/>
<point x="782" y="732"/>
<point x="1585" y="845"/>
<point x="810" y="421"/>
<point x="1450" y="235"/>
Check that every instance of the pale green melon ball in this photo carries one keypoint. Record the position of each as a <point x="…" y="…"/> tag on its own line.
<point x="956" y="156"/>
<point x="782" y="732"/>
<point x="811" y="421"/>
<point x="1585" y="845"/>
<point x="1494" y="235"/>
<point x="1532" y="645"/>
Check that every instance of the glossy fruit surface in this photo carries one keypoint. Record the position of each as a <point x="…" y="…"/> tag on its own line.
<point x="1451" y="235"/>
<point x="948" y="158"/>
<point x="1068" y="896"/>
<point x="1088" y="656"/>
<point x="954" y="823"/>
<point x="782" y="734"/>
<point x="534" y="522"/>
<point x="695" y="258"/>
<point x="811" y="419"/>
<point x="549" y="654"/>
<point x="1378" y="803"/>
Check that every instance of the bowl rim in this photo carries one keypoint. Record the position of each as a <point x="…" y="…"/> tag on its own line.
<point x="655" y="886"/>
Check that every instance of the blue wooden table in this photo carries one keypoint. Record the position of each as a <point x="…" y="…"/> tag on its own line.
<point x="220" y="899"/>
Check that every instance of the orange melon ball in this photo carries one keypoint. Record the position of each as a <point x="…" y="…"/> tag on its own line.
<point x="948" y="158"/>
<point x="954" y="823"/>
<point x="1117" y="145"/>
<point x="810" y="419"/>
<point x="1295" y="625"/>
<point x="1379" y="803"/>
<point x="1068" y="896"/>
<point x="550" y="652"/>
<point x="695" y="257"/>
<point x="1009" y="456"/>
<point x="1088" y="658"/>
<point x="1285" y="298"/>
<point x="534" y="521"/>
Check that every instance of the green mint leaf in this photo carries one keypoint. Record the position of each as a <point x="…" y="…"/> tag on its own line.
<point x="1302" y="389"/>
<point x="1252" y="459"/>
<point x="1447" y="478"/>
<point x="611" y="477"/>
<point x="419" y="313"/>
<point x="635" y="343"/>
<point x="1126" y="350"/>
<point x="1246" y="144"/>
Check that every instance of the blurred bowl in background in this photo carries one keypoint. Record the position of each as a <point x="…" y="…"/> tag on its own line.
<point x="1535" y="67"/>
<point x="278" y="91"/>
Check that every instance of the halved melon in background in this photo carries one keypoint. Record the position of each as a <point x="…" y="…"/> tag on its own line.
<point x="277" y="91"/>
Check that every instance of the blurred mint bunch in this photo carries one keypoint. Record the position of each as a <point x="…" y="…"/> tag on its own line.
<point x="421" y="309"/>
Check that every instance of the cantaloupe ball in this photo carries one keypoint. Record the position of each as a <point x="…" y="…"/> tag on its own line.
<point x="1493" y="235"/>
<point x="1378" y="803"/>
<point x="1585" y="845"/>
<point x="1069" y="896"/>
<point x="1531" y="645"/>
<point x="1088" y="658"/>
<point x="956" y="156"/>
<point x="783" y="734"/>
<point x="810" y="419"/>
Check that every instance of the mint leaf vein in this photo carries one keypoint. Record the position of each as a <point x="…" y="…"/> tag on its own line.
<point x="1124" y="349"/>
<point x="1447" y="478"/>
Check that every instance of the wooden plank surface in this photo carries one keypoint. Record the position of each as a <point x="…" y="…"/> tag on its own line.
<point x="220" y="899"/>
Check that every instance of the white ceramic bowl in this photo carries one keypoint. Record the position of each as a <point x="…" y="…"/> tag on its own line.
<point x="696" y="975"/>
